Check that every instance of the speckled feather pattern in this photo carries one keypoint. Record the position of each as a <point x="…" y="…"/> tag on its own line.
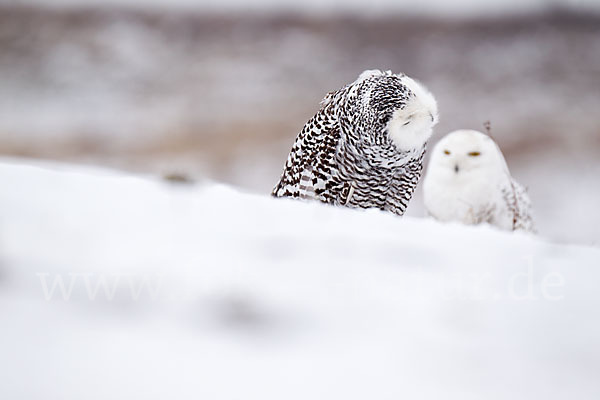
<point x="519" y="206"/>
<point x="344" y="156"/>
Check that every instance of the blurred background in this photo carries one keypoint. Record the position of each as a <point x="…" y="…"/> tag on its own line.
<point x="218" y="90"/>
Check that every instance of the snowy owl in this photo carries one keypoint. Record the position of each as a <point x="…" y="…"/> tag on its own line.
<point x="467" y="180"/>
<point x="364" y="147"/>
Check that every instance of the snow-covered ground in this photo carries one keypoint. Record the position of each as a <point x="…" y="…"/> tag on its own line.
<point x="118" y="286"/>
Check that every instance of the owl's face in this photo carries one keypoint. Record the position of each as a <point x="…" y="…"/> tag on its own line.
<point x="392" y="108"/>
<point x="465" y="155"/>
<point x="412" y="125"/>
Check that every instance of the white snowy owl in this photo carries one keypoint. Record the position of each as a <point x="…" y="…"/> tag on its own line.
<point x="364" y="147"/>
<point x="467" y="180"/>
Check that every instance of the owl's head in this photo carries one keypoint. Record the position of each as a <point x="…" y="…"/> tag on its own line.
<point x="412" y="125"/>
<point x="399" y="108"/>
<point x="466" y="154"/>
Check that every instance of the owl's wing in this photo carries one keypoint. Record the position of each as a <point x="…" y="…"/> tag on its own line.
<point x="403" y="185"/>
<point x="298" y="161"/>
<point x="519" y="205"/>
<point x="310" y="166"/>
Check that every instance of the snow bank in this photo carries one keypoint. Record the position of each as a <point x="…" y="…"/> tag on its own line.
<point x="183" y="291"/>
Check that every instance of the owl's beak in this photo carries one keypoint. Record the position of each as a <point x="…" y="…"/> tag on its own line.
<point x="456" y="168"/>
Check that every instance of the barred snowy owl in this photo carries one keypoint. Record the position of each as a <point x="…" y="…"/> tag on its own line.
<point x="364" y="147"/>
<point x="467" y="180"/>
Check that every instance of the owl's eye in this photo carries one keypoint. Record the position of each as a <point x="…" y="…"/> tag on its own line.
<point x="446" y="152"/>
<point x="474" y="154"/>
<point x="406" y="123"/>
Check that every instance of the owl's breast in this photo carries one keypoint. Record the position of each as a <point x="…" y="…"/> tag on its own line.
<point x="456" y="199"/>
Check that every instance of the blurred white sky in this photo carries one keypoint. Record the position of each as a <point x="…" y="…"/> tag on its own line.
<point x="373" y="7"/>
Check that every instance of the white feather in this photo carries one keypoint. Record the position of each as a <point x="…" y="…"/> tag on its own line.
<point x="467" y="180"/>
<point x="412" y="126"/>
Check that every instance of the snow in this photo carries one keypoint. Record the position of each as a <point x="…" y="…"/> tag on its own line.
<point x="222" y="294"/>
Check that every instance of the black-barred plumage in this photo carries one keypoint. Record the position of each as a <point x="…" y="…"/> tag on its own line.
<point x="364" y="147"/>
